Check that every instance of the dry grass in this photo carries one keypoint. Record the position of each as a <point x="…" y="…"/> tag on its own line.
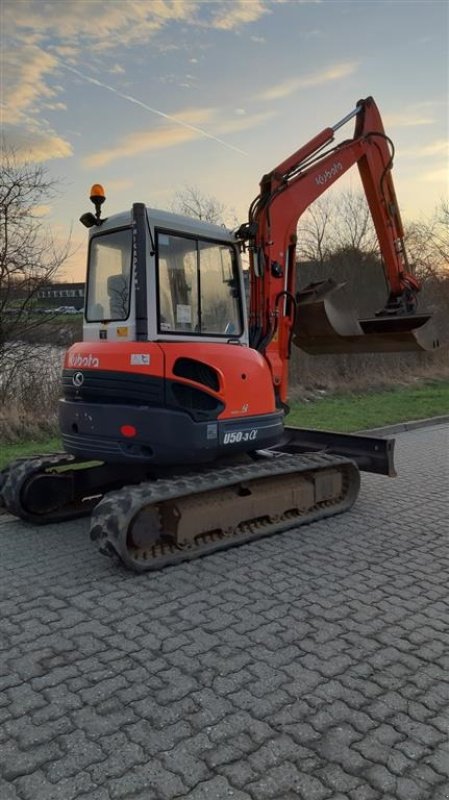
<point x="17" y="425"/>
<point x="313" y="376"/>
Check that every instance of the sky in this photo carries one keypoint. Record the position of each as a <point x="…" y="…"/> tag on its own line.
<point x="148" y="97"/>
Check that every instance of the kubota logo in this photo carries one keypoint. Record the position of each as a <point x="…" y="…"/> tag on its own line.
<point x="330" y="173"/>
<point x="84" y="361"/>
<point x="78" y="379"/>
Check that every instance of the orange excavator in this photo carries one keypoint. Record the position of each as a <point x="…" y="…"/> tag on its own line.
<point x="174" y="404"/>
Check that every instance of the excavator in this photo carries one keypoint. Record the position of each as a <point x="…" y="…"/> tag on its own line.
<point x="174" y="404"/>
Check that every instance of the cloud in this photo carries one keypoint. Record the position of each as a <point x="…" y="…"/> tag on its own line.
<point x="436" y="148"/>
<point x="292" y="85"/>
<point x="68" y="53"/>
<point x="436" y="176"/>
<point x="170" y="135"/>
<point x="55" y="106"/>
<point x="239" y="12"/>
<point x="243" y="123"/>
<point x="40" y="39"/>
<point x="104" y="23"/>
<point x="177" y="118"/>
<point x="24" y="81"/>
<point x="135" y="143"/>
<point x="407" y="119"/>
<point x="119" y="184"/>
<point x="108" y="25"/>
<point x="27" y="92"/>
<point x="42" y="210"/>
<point x="36" y="144"/>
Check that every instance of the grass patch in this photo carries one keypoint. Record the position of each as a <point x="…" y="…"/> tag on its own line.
<point x="354" y="412"/>
<point x="345" y="413"/>
<point x="28" y="448"/>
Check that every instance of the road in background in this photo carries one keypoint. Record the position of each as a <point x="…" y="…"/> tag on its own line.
<point x="309" y="665"/>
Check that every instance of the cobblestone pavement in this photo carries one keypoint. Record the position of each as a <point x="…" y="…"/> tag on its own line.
<point x="310" y="665"/>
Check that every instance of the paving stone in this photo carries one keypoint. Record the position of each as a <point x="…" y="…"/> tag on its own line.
<point x="182" y="761"/>
<point x="37" y="787"/>
<point x="438" y="759"/>
<point x="407" y="789"/>
<point x="239" y="772"/>
<point x="157" y="740"/>
<point x="152" y="779"/>
<point x="8" y="791"/>
<point x="29" y="735"/>
<point x="336" y="739"/>
<point x="274" y="752"/>
<point x="308" y="666"/>
<point x="381" y="778"/>
<point x="278" y="780"/>
<point x="366" y="792"/>
<point x="15" y="762"/>
<point x="333" y="776"/>
<point x="216" y="789"/>
<point x="81" y="752"/>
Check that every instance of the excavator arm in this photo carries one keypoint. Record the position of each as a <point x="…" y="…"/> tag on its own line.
<point x="285" y="194"/>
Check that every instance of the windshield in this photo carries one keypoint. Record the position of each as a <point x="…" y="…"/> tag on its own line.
<point x="198" y="287"/>
<point x="109" y="276"/>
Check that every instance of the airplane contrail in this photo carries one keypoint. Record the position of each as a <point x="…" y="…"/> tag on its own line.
<point x="153" y="110"/>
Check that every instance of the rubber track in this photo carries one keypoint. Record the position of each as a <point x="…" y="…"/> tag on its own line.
<point x="114" y="514"/>
<point x="14" y="477"/>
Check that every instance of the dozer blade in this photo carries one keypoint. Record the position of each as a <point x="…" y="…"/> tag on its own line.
<point x="321" y="327"/>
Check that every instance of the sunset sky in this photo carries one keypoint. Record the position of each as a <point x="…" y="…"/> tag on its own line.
<point x="150" y="96"/>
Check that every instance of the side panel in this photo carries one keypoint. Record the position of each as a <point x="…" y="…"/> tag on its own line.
<point x="166" y="403"/>
<point x="244" y="379"/>
<point x="242" y="384"/>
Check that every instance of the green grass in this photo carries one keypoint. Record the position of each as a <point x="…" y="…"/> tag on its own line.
<point x="9" y="452"/>
<point x="349" y="412"/>
<point x="354" y="412"/>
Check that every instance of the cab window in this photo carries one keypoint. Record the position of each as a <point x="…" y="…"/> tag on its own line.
<point x="198" y="287"/>
<point x="109" y="276"/>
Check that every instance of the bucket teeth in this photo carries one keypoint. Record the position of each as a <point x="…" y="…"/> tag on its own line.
<point x="322" y="327"/>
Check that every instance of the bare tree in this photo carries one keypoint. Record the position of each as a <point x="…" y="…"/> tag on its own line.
<point x="342" y="222"/>
<point x="314" y="240"/>
<point x="29" y="258"/>
<point x="353" y="224"/>
<point x="428" y="243"/>
<point x="337" y="239"/>
<point x="192" y="202"/>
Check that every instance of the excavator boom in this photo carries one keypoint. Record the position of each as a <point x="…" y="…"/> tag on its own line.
<point x="277" y="313"/>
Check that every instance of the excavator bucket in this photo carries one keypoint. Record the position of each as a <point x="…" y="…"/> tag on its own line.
<point x="321" y="327"/>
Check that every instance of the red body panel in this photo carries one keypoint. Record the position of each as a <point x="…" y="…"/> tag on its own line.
<point x="246" y="387"/>
<point x="116" y="356"/>
<point x="245" y="383"/>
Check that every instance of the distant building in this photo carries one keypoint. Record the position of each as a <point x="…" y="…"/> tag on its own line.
<point x="62" y="294"/>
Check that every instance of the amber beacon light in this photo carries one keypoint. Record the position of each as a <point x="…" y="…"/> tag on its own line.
<point x="97" y="196"/>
